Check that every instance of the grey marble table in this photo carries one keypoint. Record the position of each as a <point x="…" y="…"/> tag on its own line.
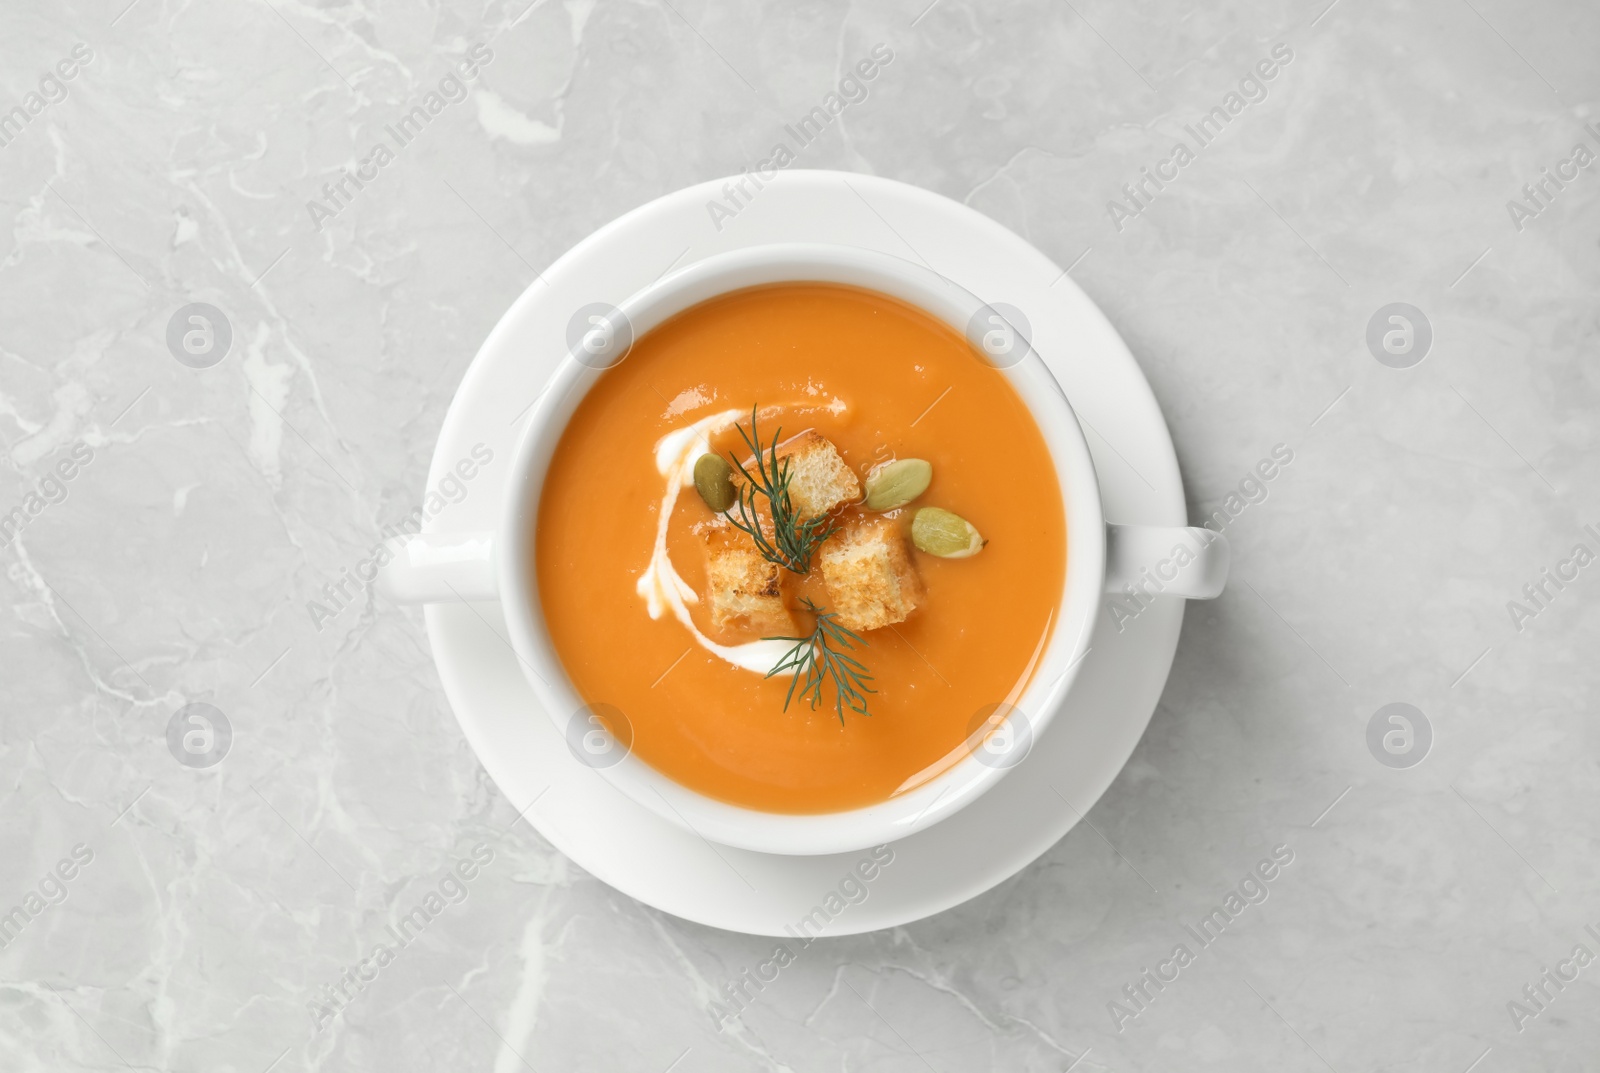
<point x="186" y="902"/>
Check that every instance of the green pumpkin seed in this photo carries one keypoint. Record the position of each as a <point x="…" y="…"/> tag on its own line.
<point x="898" y="483"/>
<point x="949" y="536"/>
<point x="713" y="479"/>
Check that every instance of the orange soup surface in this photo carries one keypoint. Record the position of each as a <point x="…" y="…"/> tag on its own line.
<point x="882" y="381"/>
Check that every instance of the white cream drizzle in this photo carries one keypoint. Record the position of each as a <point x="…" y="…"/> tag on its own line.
<point x="660" y="586"/>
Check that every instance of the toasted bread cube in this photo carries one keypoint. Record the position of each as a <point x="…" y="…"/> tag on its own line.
<point x="746" y="591"/>
<point x="819" y="479"/>
<point x="870" y="577"/>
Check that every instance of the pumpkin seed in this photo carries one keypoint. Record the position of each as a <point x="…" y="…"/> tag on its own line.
<point x="713" y="479"/>
<point x="949" y="536"/>
<point x="898" y="483"/>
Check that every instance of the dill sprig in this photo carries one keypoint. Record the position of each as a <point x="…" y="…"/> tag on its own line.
<point x="820" y="657"/>
<point x="794" y="539"/>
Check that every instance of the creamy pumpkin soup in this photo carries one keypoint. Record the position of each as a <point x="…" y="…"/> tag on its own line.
<point x="802" y="537"/>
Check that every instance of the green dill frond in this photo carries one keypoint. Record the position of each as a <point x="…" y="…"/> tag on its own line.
<point x="821" y="657"/>
<point x="794" y="540"/>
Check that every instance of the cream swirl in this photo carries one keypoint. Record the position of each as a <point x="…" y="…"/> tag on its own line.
<point x="661" y="587"/>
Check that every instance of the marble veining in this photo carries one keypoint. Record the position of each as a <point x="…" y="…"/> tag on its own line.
<point x="236" y="833"/>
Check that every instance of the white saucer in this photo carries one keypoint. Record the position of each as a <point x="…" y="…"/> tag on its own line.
<point x="992" y="839"/>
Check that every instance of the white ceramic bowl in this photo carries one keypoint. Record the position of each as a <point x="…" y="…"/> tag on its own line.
<point x="441" y="567"/>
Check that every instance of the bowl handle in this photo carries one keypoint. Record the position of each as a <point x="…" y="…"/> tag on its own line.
<point x="1144" y="561"/>
<point x="438" y="568"/>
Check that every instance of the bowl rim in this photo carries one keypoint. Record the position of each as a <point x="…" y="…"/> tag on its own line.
<point x="1078" y="607"/>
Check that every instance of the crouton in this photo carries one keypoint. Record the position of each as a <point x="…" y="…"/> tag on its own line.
<point x="871" y="580"/>
<point x="819" y="479"/>
<point x="745" y="590"/>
